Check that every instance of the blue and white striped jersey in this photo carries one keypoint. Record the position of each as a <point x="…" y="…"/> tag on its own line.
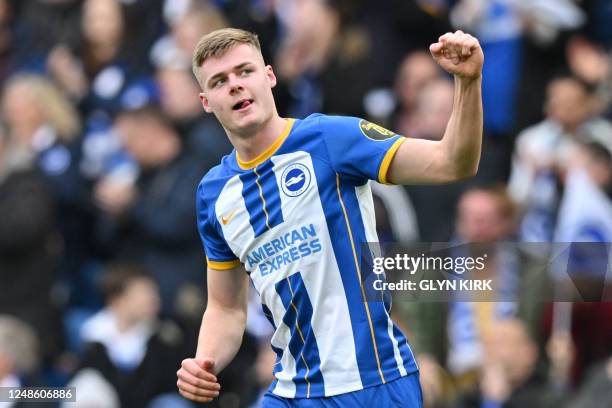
<point x="297" y="217"/>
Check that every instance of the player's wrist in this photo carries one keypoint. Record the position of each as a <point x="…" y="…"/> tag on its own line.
<point x="468" y="80"/>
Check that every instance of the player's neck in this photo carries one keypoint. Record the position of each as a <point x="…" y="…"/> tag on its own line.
<point x="252" y="146"/>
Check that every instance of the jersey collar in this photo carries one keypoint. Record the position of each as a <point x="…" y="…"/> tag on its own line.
<point x="247" y="165"/>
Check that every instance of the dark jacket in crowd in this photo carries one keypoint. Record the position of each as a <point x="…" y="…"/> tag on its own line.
<point x="29" y="251"/>
<point x="159" y="230"/>
<point x="155" y="375"/>
<point x="535" y="392"/>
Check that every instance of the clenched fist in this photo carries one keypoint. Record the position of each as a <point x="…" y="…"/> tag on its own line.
<point x="196" y="380"/>
<point x="459" y="54"/>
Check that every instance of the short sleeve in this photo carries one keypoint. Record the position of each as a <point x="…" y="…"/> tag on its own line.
<point x="218" y="253"/>
<point x="359" y="149"/>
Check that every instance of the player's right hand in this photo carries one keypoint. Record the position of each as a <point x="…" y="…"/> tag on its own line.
<point x="196" y="380"/>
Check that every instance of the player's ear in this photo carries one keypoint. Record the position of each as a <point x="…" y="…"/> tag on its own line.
<point x="205" y="103"/>
<point x="271" y="76"/>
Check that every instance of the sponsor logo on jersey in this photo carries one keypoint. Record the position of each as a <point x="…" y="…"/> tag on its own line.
<point x="285" y="249"/>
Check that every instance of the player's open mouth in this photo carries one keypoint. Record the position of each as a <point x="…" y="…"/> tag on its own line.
<point x="242" y="104"/>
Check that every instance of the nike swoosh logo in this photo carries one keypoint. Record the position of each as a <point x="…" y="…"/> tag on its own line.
<point x="227" y="219"/>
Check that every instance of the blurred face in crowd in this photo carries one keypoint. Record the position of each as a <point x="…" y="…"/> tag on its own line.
<point x="102" y="21"/>
<point x="178" y="93"/>
<point x="139" y="302"/>
<point x="191" y="27"/>
<point x="435" y="104"/>
<point x="414" y="73"/>
<point x="311" y="29"/>
<point x="309" y="20"/>
<point x="237" y="88"/>
<point x="568" y="103"/>
<point x="508" y="344"/>
<point x="479" y="217"/>
<point x="147" y="140"/>
<point x="133" y="137"/>
<point x="21" y="112"/>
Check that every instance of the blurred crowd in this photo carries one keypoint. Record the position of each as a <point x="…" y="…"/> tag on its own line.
<point x="103" y="142"/>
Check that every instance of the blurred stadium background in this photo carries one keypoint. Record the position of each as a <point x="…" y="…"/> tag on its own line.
<point x="103" y="141"/>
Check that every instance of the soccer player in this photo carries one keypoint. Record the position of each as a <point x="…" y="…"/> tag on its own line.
<point x="290" y="208"/>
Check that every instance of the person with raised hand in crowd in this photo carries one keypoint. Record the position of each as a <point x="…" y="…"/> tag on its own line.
<point x="149" y="218"/>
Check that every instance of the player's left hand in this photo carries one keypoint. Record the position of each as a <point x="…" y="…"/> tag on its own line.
<point x="459" y="54"/>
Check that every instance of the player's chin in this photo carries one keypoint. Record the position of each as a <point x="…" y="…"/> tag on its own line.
<point x="248" y="121"/>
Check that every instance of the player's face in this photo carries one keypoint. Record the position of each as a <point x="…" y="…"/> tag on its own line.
<point x="238" y="89"/>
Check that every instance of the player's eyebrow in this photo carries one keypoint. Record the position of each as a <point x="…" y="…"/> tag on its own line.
<point x="221" y="74"/>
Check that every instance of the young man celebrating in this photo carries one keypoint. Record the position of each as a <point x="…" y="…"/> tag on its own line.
<point x="291" y="206"/>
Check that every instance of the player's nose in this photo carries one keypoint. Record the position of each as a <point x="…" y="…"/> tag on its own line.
<point x="235" y="85"/>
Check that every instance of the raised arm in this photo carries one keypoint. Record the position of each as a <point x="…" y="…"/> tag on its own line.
<point x="456" y="156"/>
<point x="220" y="336"/>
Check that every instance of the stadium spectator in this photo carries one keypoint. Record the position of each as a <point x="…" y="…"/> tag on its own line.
<point x="590" y="62"/>
<point x="447" y="336"/>
<point x="30" y="247"/>
<point x="202" y="134"/>
<point x="151" y="219"/>
<point x="186" y="28"/>
<point x="179" y="90"/>
<point x="585" y="221"/>
<point x="43" y="122"/>
<point x="510" y="376"/>
<point x="98" y="71"/>
<point x="19" y="354"/>
<point x="38" y="26"/>
<point x="322" y="61"/>
<point x="575" y="352"/>
<point x="399" y="28"/>
<point x="94" y="391"/>
<point x="585" y="213"/>
<point x="542" y="154"/>
<point x="415" y="72"/>
<point x="125" y="341"/>
<point x="434" y="107"/>
<point x="262" y="17"/>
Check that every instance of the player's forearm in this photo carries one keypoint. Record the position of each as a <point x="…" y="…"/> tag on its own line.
<point x="221" y="335"/>
<point x="463" y="136"/>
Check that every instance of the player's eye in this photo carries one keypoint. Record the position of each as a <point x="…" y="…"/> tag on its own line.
<point x="246" y="71"/>
<point x="217" y="83"/>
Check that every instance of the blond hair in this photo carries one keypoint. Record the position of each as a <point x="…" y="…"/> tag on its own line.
<point x="55" y="107"/>
<point x="217" y="43"/>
